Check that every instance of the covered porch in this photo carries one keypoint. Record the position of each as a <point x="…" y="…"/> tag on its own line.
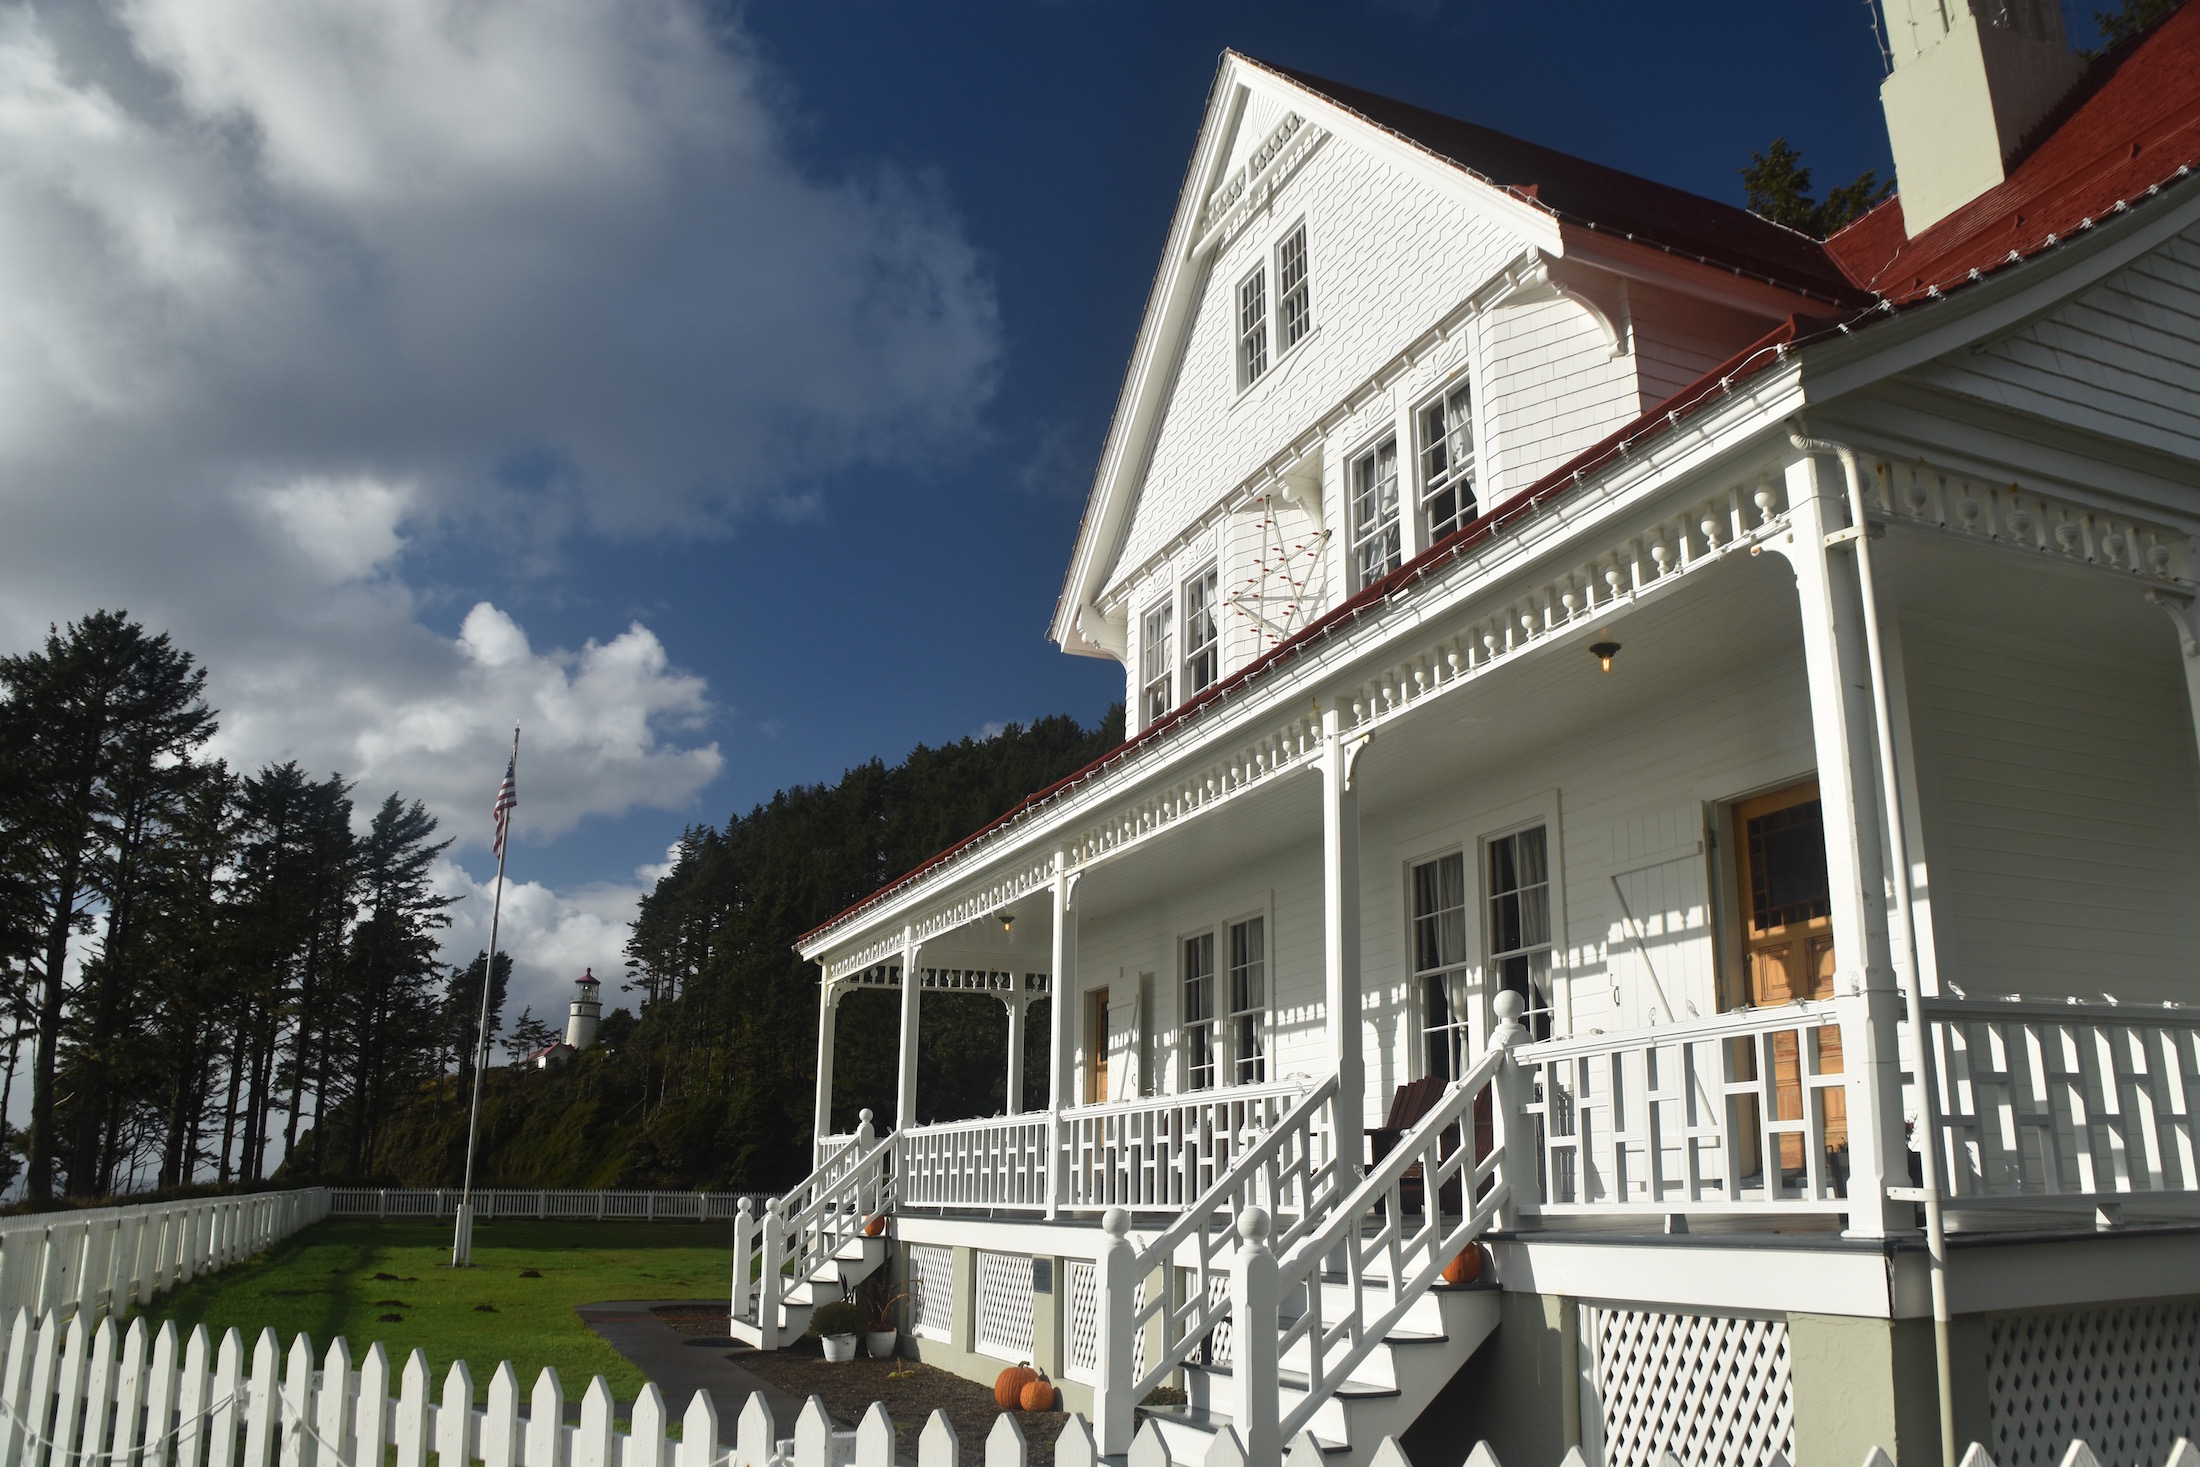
<point x="1670" y="1074"/>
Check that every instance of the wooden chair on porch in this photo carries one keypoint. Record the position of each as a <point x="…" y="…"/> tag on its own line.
<point x="1408" y="1104"/>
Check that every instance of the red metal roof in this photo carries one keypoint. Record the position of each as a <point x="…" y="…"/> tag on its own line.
<point x="2130" y="127"/>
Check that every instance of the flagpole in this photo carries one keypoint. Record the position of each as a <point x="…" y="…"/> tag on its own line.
<point x="462" y="1235"/>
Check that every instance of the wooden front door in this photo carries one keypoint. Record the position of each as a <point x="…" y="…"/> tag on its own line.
<point x="1787" y="949"/>
<point x="1096" y="1046"/>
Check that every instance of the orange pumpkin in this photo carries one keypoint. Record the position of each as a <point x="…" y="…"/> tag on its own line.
<point x="1038" y="1395"/>
<point x="1008" y="1386"/>
<point x="875" y="1226"/>
<point x="1467" y="1267"/>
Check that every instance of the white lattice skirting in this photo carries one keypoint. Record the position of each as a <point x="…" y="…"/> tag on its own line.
<point x="1713" y="1390"/>
<point x="2127" y="1380"/>
<point x="932" y="1276"/>
<point x="1004" y="1305"/>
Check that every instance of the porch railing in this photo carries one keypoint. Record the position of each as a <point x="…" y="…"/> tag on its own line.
<point x="1164" y="1153"/>
<point x="998" y="1163"/>
<point x="1741" y="1112"/>
<point x="2070" y="1103"/>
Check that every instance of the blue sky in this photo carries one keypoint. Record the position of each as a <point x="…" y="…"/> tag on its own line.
<point x="712" y="390"/>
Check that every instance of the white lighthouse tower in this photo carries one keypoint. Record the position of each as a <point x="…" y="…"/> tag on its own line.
<point x="583" y="1012"/>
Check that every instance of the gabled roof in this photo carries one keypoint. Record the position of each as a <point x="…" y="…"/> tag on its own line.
<point x="2129" y="128"/>
<point x="1603" y="199"/>
<point x="2129" y="132"/>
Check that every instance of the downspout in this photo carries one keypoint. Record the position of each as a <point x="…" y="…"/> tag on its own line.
<point x="1913" y="996"/>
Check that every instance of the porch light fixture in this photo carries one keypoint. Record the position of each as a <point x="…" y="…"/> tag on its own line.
<point x="1604" y="652"/>
<point x="1008" y="920"/>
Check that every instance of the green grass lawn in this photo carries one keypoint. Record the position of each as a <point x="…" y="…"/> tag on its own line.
<point x="346" y="1278"/>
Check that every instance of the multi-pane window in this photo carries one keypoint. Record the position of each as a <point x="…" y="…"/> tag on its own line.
<point x="1252" y="327"/>
<point x="1158" y="660"/>
<point x="1294" y="311"/>
<point x="1520" y="922"/>
<point x="1249" y="1000"/>
<point x="1201" y="660"/>
<point x="1447" y="464"/>
<point x="1440" y="960"/>
<point x="1375" y="542"/>
<point x="1199" y="1012"/>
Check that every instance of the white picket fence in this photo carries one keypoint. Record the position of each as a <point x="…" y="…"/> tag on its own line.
<point x="72" y="1395"/>
<point x="543" y="1205"/>
<point x="105" y="1260"/>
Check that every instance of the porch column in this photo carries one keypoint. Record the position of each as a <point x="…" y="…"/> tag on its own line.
<point x="1016" y="1002"/>
<point x="1865" y="989"/>
<point x="1061" y="1039"/>
<point x="1341" y="931"/>
<point x="912" y="992"/>
<point x="828" y="1010"/>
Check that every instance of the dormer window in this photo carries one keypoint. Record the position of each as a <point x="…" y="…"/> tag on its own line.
<point x="1447" y="464"/>
<point x="1158" y="658"/>
<point x="1294" y="308"/>
<point x="1252" y="327"/>
<point x="1201" y="639"/>
<point x="1375" y="541"/>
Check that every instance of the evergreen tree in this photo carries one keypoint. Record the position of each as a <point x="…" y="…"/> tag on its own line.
<point x="2130" y="18"/>
<point x="1779" y="189"/>
<point x="88" y="720"/>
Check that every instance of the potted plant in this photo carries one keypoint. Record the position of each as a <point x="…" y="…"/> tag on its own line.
<point x="879" y="1303"/>
<point x="835" y="1325"/>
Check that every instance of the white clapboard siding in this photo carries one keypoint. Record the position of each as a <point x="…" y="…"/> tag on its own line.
<point x="112" y="1259"/>
<point x="2056" y="801"/>
<point x="2122" y="359"/>
<point x="1390" y="253"/>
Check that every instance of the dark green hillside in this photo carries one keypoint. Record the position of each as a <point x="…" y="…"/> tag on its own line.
<point x="708" y="1081"/>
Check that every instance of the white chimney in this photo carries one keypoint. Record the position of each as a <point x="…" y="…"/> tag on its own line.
<point x="1971" y="79"/>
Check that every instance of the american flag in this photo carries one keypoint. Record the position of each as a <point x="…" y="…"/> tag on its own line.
<point x="507" y="800"/>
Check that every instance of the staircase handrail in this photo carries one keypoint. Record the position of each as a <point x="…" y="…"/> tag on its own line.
<point x="1186" y="1325"/>
<point x="796" y="1238"/>
<point x="1414" y="1260"/>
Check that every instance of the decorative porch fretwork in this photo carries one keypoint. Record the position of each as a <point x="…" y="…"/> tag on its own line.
<point x="959" y="980"/>
<point x="2027" y="520"/>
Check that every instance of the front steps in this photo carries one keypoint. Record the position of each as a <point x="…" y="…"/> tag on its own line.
<point x="855" y="1260"/>
<point x="1384" y="1395"/>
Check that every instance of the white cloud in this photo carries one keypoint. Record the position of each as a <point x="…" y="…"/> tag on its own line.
<point x="553" y="937"/>
<point x="295" y="294"/>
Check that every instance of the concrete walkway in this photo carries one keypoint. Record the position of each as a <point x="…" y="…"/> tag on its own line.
<point x="681" y="1364"/>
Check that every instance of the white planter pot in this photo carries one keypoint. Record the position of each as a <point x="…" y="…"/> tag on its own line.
<point x="839" y="1349"/>
<point x="880" y="1343"/>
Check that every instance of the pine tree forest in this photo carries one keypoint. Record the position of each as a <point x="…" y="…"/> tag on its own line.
<point x="217" y="978"/>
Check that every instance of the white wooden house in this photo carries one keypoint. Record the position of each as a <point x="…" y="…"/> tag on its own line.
<point x="1641" y="668"/>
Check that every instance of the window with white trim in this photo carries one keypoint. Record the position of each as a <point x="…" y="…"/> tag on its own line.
<point x="1252" y="352"/>
<point x="1249" y="1000"/>
<point x="1202" y="644"/>
<point x="1519" y="869"/>
<point x="1440" y="962"/>
<point x="1447" y="463"/>
<point x="1294" y="307"/>
<point x="1158" y="660"/>
<point x="1199" y="1012"/>
<point x="1375" y="543"/>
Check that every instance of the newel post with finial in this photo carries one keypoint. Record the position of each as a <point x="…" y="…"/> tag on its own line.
<point x="768" y="1281"/>
<point x="1513" y="1090"/>
<point x="1114" y="1406"/>
<point x="1254" y="1305"/>
<point x="744" y="1239"/>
